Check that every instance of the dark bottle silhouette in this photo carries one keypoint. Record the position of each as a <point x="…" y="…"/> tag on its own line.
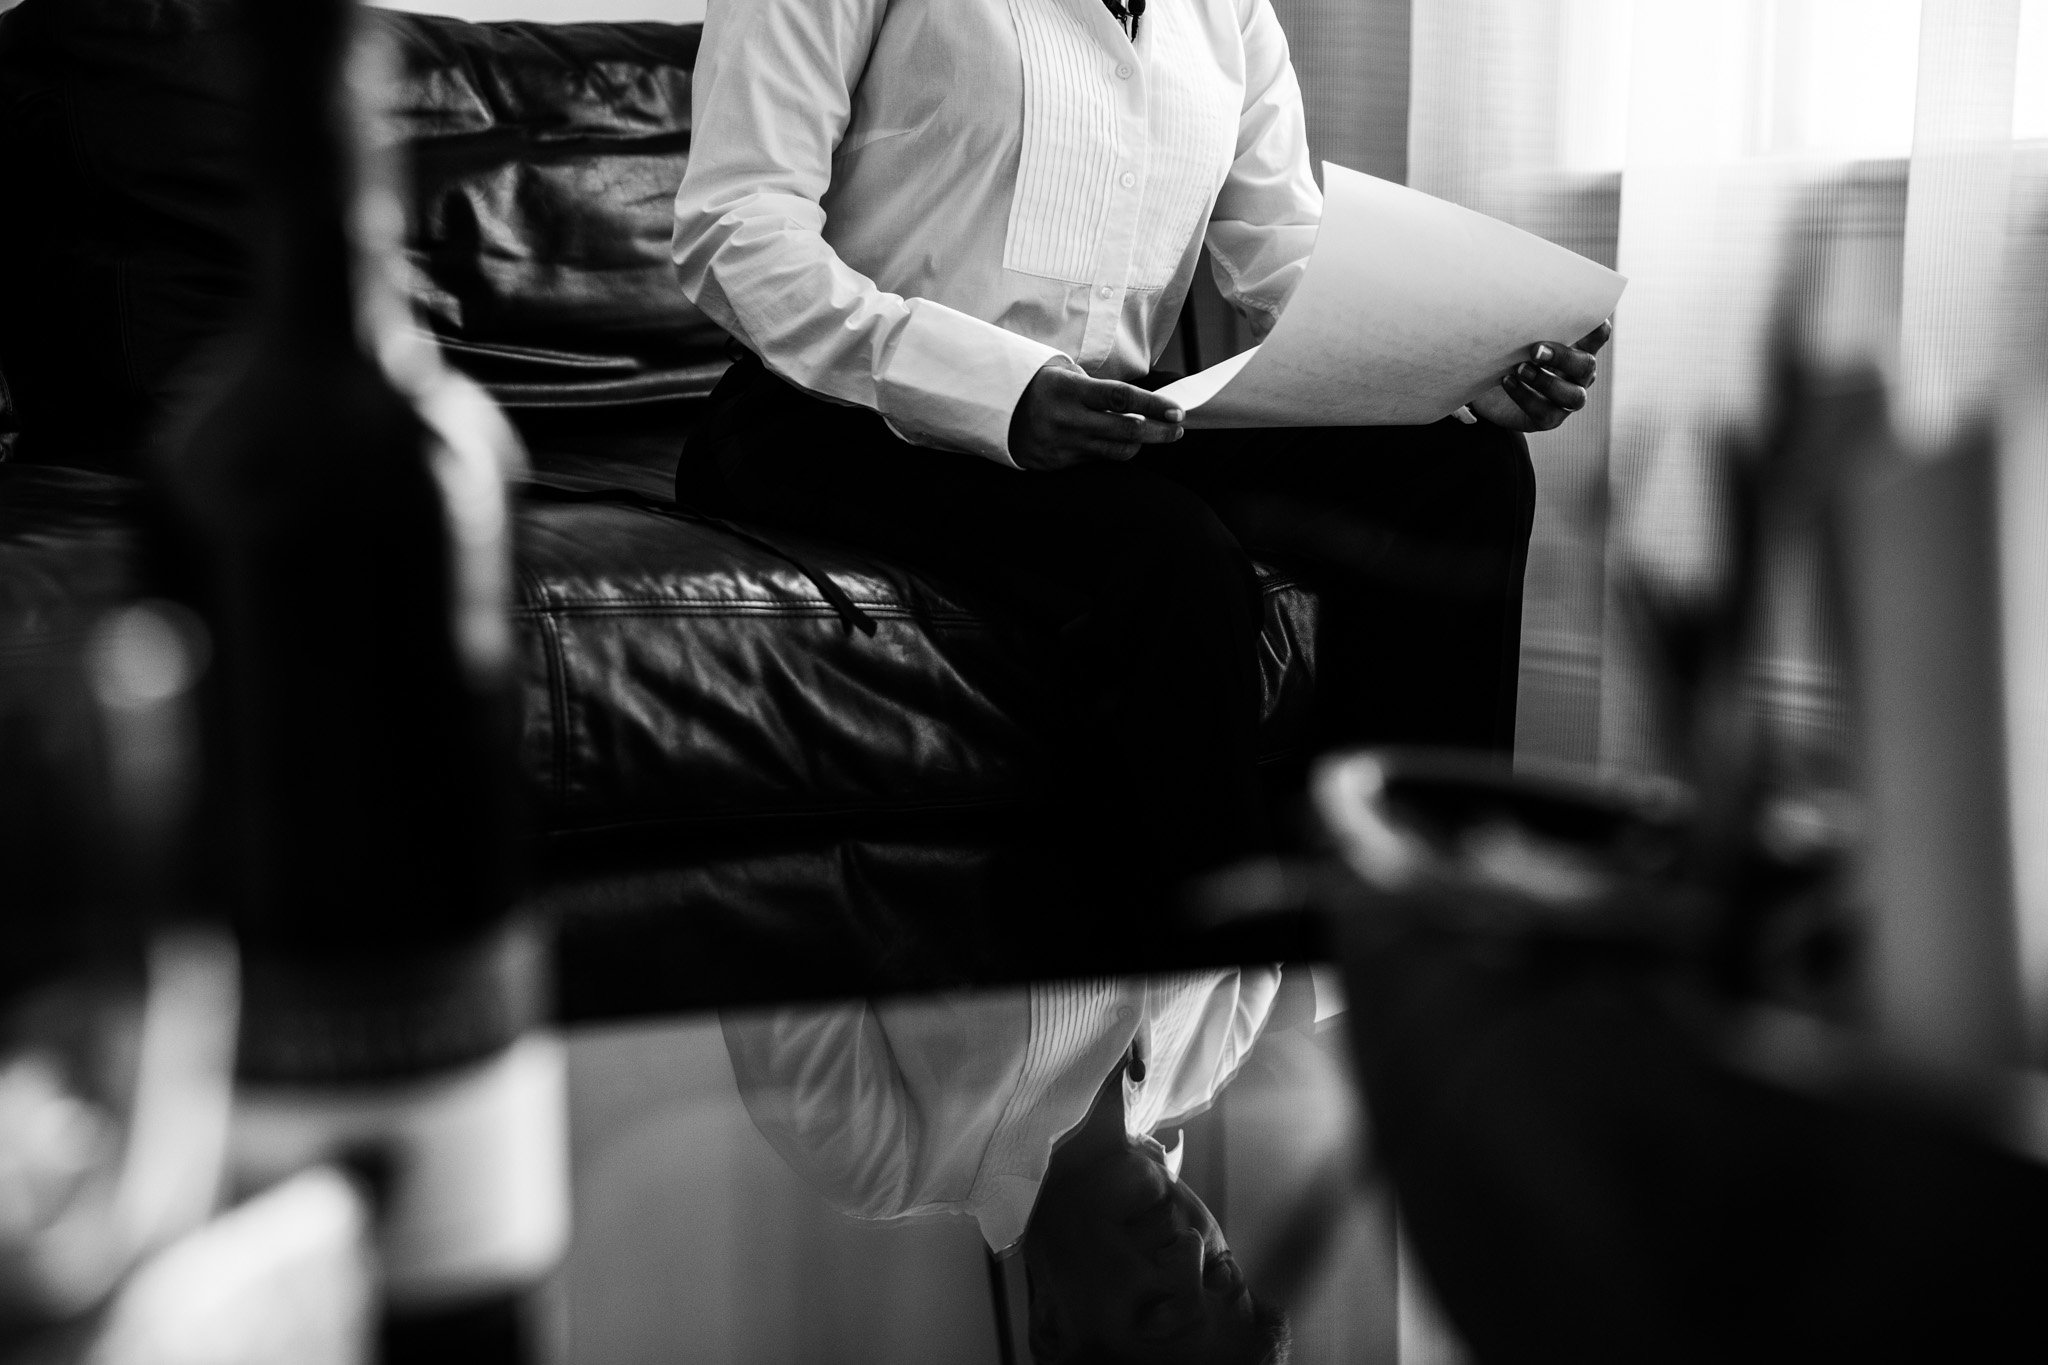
<point x="336" y="511"/>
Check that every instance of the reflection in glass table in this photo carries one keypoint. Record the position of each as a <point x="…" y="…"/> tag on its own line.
<point x="1122" y="1169"/>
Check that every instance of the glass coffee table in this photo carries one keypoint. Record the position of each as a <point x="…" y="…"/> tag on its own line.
<point x="1546" y="1110"/>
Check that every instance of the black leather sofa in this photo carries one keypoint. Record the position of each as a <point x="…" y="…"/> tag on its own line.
<point x="753" y="766"/>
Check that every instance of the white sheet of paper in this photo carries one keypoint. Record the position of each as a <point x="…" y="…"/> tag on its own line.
<point x="1411" y="307"/>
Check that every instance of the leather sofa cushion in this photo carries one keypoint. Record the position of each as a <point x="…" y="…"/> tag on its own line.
<point x="683" y="673"/>
<point x="545" y="159"/>
<point x="681" y="677"/>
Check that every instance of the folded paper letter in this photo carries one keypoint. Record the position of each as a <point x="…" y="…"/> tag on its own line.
<point x="1411" y="307"/>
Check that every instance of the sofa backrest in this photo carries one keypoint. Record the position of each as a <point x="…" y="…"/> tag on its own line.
<point x="544" y="160"/>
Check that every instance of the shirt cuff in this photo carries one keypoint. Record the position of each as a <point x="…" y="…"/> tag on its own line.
<point x="952" y="381"/>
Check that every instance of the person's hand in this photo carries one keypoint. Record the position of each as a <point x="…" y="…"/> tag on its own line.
<point x="1539" y="393"/>
<point x="1065" y="418"/>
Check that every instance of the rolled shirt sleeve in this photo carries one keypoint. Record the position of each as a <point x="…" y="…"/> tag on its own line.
<point x="1263" y="226"/>
<point x="773" y="94"/>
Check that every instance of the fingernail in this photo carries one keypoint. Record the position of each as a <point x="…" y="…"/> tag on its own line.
<point x="1178" y="432"/>
<point x="1542" y="354"/>
<point x="1174" y="414"/>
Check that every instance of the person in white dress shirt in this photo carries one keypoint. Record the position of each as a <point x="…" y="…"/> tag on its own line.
<point x="953" y="238"/>
<point x="1033" y="1110"/>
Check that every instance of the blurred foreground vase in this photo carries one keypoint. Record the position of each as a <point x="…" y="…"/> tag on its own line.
<point x="117" y="1009"/>
<point x="1601" y="1151"/>
<point x="337" y="513"/>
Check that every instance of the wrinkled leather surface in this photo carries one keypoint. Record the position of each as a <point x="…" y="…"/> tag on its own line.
<point x="545" y="158"/>
<point x="545" y="163"/>
<point x="677" y="674"/>
<point x="682" y="679"/>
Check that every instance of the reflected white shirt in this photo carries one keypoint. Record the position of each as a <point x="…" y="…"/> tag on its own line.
<point x="904" y="1108"/>
<point x="913" y="205"/>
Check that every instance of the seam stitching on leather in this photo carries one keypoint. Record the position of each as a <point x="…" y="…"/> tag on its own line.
<point x="558" y="684"/>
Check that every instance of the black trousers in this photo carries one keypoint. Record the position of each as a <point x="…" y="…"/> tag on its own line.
<point x="1139" y="574"/>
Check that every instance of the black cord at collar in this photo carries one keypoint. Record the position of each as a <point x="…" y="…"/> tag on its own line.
<point x="1127" y="14"/>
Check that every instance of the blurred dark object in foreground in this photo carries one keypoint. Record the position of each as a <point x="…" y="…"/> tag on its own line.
<point x="1599" y="1155"/>
<point x="333" y="506"/>
<point x="71" y="990"/>
<point x="117" y="1016"/>
<point x="1726" y="1070"/>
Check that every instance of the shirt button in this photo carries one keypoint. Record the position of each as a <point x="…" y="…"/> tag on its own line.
<point x="1127" y="180"/>
<point x="1123" y="71"/>
<point x="1124" y="1012"/>
<point x="1107" y="292"/>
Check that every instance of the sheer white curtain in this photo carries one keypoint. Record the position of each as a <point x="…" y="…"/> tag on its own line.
<point x="1693" y="147"/>
<point x="1515" y="109"/>
<point x="2021" y="377"/>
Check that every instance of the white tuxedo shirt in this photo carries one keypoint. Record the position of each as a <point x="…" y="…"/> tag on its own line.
<point x="913" y="205"/>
